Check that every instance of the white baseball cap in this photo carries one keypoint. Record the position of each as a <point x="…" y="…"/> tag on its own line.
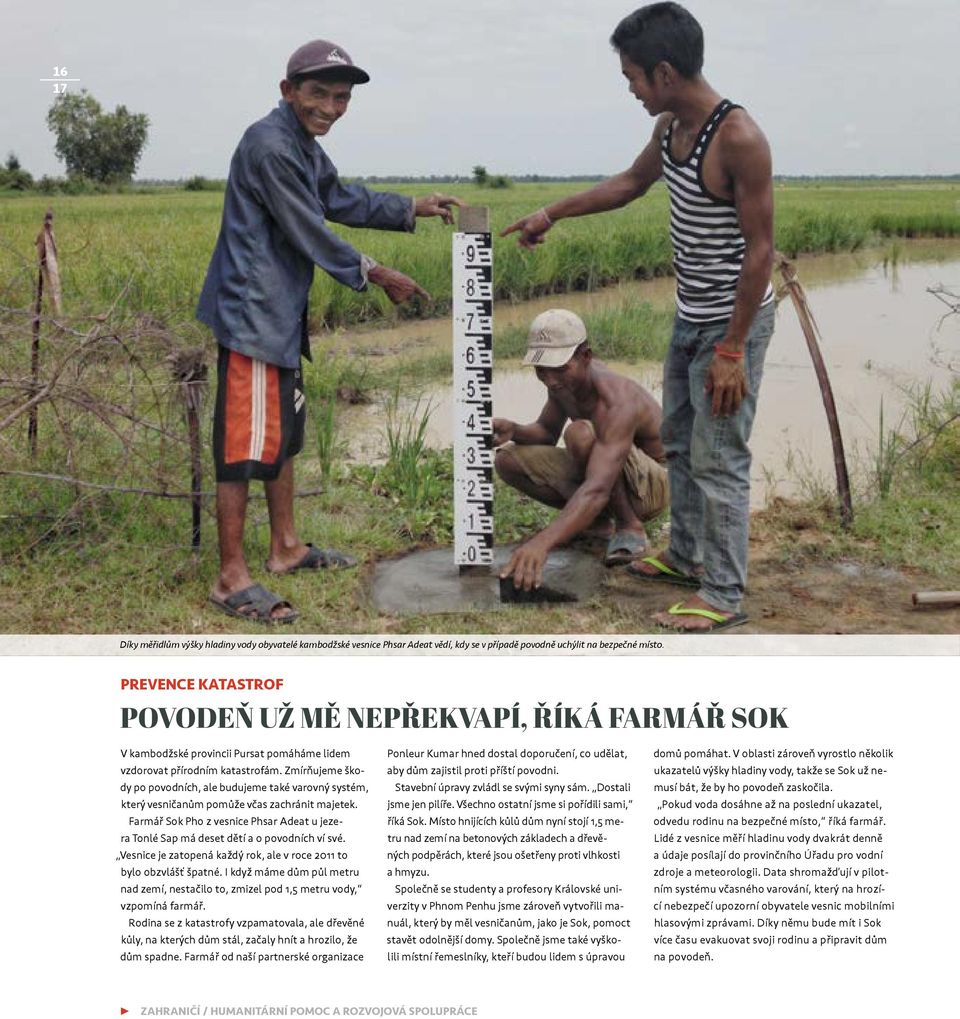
<point x="554" y="336"/>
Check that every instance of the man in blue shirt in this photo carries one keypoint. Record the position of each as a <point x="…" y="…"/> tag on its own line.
<point x="281" y="191"/>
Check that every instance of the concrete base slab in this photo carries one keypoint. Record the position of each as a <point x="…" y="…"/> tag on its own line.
<point x="429" y="582"/>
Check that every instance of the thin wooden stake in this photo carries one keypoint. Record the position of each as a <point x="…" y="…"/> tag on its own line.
<point x="35" y="357"/>
<point x="47" y="272"/>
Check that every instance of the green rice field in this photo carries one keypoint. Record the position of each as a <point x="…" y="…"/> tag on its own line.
<point x="155" y="245"/>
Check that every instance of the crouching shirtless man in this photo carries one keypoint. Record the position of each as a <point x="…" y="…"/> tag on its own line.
<point x="608" y="478"/>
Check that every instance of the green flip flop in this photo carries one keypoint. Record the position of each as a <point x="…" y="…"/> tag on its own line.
<point x="720" y="621"/>
<point x="666" y="574"/>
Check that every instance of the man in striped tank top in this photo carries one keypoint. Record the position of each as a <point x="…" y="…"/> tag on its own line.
<point x="717" y="168"/>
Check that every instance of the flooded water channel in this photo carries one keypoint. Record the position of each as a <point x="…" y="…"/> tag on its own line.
<point x="879" y="336"/>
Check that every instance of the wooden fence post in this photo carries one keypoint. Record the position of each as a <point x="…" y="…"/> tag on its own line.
<point x="48" y="272"/>
<point x="190" y="373"/>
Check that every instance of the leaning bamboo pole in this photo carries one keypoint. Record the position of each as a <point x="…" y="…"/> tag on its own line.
<point x="811" y="332"/>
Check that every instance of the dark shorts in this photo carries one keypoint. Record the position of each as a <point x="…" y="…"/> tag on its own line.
<point x="553" y="467"/>
<point x="258" y="419"/>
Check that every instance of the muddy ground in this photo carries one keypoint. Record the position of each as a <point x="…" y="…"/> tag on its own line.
<point x="844" y="597"/>
<point x="798" y="594"/>
<point x="790" y="591"/>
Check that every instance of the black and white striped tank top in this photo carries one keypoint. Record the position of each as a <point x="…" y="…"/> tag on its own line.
<point x="707" y="243"/>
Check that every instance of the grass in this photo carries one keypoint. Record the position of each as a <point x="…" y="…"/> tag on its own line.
<point x="885" y="459"/>
<point x="119" y="563"/>
<point x="158" y="244"/>
<point x="629" y="331"/>
<point x="907" y="515"/>
<point x="417" y="479"/>
<point x="915" y="515"/>
<point x="329" y="446"/>
<point x="112" y="562"/>
<point x="328" y="381"/>
<point x="86" y="561"/>
<point x="119" y="568"/>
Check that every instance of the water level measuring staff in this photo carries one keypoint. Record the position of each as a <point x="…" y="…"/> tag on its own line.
<point x="473" y="389"/>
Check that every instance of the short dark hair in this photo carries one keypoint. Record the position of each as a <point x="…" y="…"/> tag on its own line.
<point x="661" y="32"/>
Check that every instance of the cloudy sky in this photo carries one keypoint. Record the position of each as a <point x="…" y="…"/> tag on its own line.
<point x="522" y="86"/>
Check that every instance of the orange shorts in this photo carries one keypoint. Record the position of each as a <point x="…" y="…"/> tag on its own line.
<point x="258" y="419"/>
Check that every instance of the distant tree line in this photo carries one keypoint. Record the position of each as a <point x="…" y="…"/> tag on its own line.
<point x="101" y="151"/>
<point x="455" y="178"/>
<point x="880" y="178"/>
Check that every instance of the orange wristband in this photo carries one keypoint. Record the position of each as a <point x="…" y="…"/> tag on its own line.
<point x="727" y="353"/>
